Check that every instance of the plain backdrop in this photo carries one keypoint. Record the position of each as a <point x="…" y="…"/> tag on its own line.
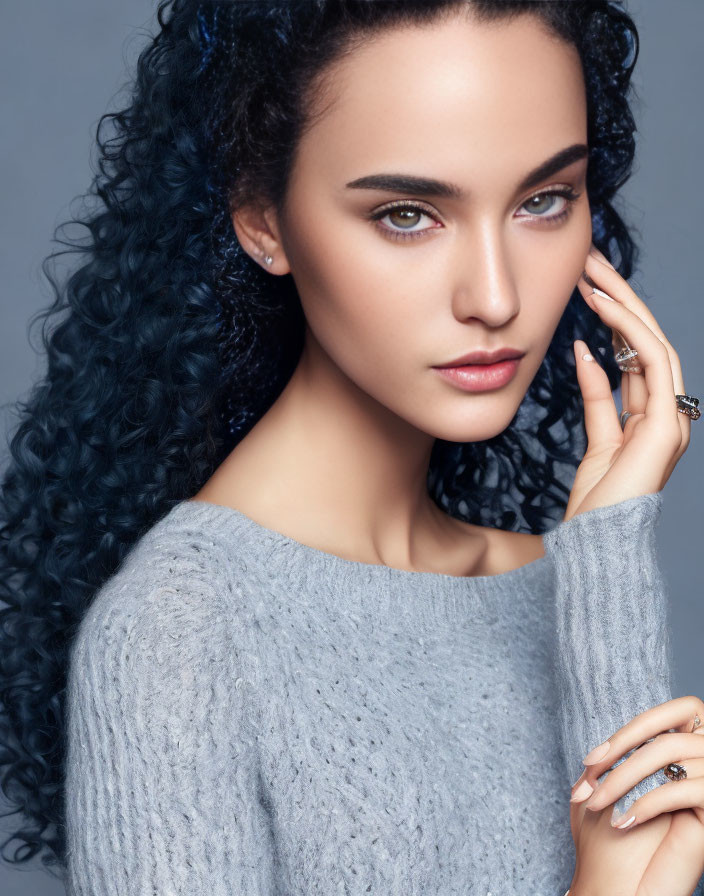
<point x="61" y="66"/>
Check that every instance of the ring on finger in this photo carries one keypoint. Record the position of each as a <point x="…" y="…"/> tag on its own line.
<point x="688" y="404"/>
<point x="675" y="771"/>
<point x="624" y="417"/>
<point x="625" y="358"/>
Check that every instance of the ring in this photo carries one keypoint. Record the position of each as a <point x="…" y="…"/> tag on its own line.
<point x="624" y="357"/>
<point x="688" y="404"/>
<point x="624" y="416"/>
<point x="675" y="772"/>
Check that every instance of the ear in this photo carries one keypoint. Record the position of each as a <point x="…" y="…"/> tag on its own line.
<point x="257" y="230"/>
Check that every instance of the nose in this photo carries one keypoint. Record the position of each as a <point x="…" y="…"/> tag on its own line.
<point x="485" y="288"/>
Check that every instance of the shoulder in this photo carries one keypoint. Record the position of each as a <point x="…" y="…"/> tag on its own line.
<point x="174" y="606"/>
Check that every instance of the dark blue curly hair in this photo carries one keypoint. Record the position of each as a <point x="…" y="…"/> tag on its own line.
<point x="169" y="342"/>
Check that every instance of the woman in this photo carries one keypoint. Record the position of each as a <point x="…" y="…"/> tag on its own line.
<point x="329" y="617"/>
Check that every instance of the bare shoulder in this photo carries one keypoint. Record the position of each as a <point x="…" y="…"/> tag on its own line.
<point x="505" y="550"/>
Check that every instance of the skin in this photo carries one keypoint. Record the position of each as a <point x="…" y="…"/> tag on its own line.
<point x="339" y="461"/>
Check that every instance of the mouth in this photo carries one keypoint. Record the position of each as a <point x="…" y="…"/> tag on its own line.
<point x="484" y="357"/>
<point x="481" y="376"/>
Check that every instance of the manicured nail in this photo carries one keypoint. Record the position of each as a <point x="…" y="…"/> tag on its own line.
<point x="582" y="792"/>
<point x="597" y="753"/>
<point x="621" y="821"/>
<point x="587" y="357"/>
<point x="600" y="292"/>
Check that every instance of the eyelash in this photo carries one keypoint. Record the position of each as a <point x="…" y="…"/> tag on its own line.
<point x="566" y="193"/>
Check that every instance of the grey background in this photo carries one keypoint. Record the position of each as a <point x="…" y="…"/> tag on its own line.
<point x="61" y="66"/>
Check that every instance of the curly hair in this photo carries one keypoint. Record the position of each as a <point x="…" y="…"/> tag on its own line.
<point x="170" y="342"/>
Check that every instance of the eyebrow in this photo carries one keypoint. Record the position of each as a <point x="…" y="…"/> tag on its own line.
<point x="426" y="186"/>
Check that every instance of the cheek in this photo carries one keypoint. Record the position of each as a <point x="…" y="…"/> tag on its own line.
<point x="363" y="319"/>
<point x="552" y="272"/>
<point x="360" y="305"/>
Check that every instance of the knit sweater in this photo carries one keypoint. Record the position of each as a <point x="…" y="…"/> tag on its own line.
<point x="247" y="714"/>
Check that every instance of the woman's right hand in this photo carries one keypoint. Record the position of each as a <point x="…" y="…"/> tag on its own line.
<point x="612" y="862"/>
<point x="663" y="852"/>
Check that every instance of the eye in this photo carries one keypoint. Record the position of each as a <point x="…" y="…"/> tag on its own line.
<point x="406" y="215"/>
<point x="558" y="203"/>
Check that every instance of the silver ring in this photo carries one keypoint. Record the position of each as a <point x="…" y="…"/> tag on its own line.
<point x="624" y="417"/>
<point x="687" y="404"/>
<point x="625" y="358"/>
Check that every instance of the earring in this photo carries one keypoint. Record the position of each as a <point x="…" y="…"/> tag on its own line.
<point x="267" y="258"/>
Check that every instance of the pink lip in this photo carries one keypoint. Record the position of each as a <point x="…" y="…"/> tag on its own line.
<point x="481" y="377"/>
<point x="484" y="356"/>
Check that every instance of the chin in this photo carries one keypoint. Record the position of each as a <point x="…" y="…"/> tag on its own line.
<point x="485" y="426"/>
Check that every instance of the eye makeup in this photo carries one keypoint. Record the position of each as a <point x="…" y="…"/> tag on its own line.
<point x="567" y="193"/>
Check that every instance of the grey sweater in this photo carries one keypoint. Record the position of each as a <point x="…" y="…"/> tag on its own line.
<point x="250" y="715"/>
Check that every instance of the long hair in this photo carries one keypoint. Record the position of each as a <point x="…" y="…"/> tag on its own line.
<point x="169" y="342"/>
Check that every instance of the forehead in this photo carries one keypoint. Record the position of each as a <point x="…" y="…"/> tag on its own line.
<point x="455" y="95"/>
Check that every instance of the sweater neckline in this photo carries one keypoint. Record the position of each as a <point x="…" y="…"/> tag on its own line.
<point x="228" y="521"/>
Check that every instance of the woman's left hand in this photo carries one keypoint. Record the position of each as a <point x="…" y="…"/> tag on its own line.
<point x="655" y="858"/>
<point x="624" y="463"/>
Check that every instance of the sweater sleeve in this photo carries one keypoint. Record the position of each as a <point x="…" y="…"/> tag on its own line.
<point x="613" y="657"/>
<point x="162" y="792"/>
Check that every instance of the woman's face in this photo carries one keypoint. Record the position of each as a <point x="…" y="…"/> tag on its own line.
<point x="389" y="293"/>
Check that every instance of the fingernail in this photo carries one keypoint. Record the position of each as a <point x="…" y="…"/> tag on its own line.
<point x="597" y="753"/>
<point x="579" y="779"/>
<point x="599" y="292"/>
<point x="587" y="357"/>
<point x="582" y="792"/>
<point x="621" y="821"/>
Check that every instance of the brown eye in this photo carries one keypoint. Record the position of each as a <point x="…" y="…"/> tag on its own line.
<point x="407" y="217"/>
<point x="403" y="220"/>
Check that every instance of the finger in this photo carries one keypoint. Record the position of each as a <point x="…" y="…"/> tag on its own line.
<point x="601" y="419"/>
<point x="668" y="797"/>
<point x="646" y="761"/>
<point x="600" y="255"/>
<point x="692" y="726"/>
<point x="617" y="341"/>
<point x="607" y="278"/>
<point x="634" y="391"/>
<point x="687" y="832"/>
<point x="649" y="723"/>
<point x="661" y="409"/>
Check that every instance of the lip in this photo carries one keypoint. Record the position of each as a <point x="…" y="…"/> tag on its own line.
<point x="481" y="377"/>
<point x="482" y="356"/>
